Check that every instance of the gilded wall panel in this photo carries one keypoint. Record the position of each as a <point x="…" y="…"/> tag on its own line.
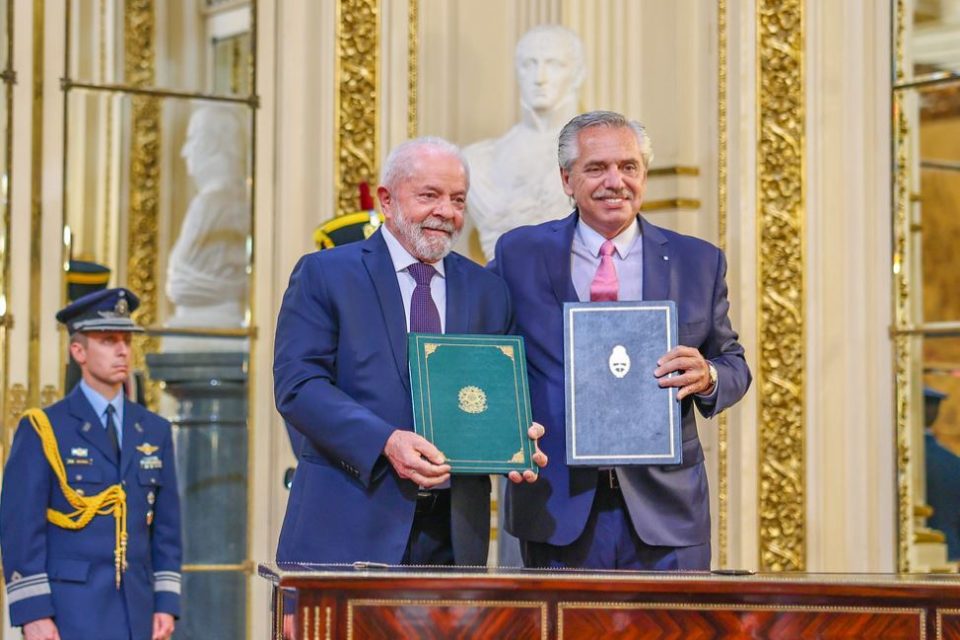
<point x="902" y="303"/>
<point x="357" y="126"/>
<point x="723" y="434"/>
<point x="780" y="374"/>
<point x="142" y="233"/>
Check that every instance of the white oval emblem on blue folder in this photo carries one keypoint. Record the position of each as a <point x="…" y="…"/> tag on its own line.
<point x="619" y="361"/>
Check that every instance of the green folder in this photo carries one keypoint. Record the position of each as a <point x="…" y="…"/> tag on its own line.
<point x="471" y="399"/>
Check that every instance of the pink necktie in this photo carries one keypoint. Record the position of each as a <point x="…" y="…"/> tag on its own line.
<point x="605" y="286"/>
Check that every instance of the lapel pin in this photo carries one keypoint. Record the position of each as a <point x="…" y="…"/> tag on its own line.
<point x="85" y="427"/>
<point x="136" y="425"/>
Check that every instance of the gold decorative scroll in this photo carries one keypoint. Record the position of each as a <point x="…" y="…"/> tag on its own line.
<point x="48" y="395"/>
<point x="780" y="375"/>
<point x="903" y="374"/>
<point x="16" y="404"/>
<point x="671" y="203"/>
<point x="357" y="123"/>
<point x="108" y="120"/>
<point x="413" y="42"/>
<point x="723" y="467"/>
<point x="36" y="208"/>
<point x="142" y="248"/>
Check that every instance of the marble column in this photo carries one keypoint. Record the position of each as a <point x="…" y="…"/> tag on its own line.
<point x="210" y="435"/>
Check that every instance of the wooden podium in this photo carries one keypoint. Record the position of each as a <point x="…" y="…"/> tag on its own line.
<point x="439" y="602"/>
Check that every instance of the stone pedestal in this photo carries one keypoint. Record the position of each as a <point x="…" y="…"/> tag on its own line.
<point x="210" y="435"/>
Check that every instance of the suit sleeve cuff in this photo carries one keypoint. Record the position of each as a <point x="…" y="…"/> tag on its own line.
<point x="166" y="592"/>
<point x="29" y="599"/>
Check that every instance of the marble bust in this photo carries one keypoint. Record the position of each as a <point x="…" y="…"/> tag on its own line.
<point x="514" y="179"/>
<point x="207" y="267"/>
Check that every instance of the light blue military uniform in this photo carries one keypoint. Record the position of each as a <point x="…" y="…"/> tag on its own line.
<point x="69" y="575"/>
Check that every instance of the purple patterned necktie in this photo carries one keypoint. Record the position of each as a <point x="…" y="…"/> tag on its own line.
<point x="424" y="317"/>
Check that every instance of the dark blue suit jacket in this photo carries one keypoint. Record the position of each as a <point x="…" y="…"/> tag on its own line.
<point x="341" y="379"/>
<point x="668" y="505"/>
<point x="69" y="575"/>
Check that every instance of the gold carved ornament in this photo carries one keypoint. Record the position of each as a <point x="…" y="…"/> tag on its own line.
<point x="903" y="374"/>
<point x="723" y="466"/>
<point x="780" y="175"/>
<point x="142" y="237"/>
<point x="357" y="102"/>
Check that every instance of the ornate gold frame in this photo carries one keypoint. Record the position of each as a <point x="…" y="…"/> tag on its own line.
<point x="723" y="435"/>
<point x="903" y="374"/>
<point x="413" y="72"/>
<point x="145" y="140"/>
<point x="356" y="121"/>
<point x="36" y="210"/>
<point x="781" y="323"/>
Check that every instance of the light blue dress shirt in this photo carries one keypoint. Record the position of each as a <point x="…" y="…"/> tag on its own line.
<point x="99" y="404"/>
<point x="627" y="259"/>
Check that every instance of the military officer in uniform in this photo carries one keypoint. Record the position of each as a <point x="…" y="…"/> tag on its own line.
<point x="89" y="512"/>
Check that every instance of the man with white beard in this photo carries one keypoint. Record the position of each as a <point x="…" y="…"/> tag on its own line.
<point x="367" y="488"/>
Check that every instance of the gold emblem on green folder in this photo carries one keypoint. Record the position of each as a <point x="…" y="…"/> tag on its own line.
<point x="473" y="399"/>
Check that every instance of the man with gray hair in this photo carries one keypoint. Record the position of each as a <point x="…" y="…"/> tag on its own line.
<point x="514" y="182"/>
<point x="367" y="488"/>
<point x="639" y="517"/>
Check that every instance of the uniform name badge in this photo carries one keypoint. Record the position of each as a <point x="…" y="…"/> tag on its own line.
<point x="79" y="455"/>
<point x="151" y="462"/>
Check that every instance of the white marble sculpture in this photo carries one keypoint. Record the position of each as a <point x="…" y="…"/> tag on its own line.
<point x="207" y="268"/>
<point x="514" y="179"/>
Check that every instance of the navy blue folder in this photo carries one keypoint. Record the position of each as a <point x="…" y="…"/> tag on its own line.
<point x="617" y="414"/>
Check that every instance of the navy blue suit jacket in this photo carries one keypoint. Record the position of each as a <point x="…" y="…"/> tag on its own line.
<point x="341" y="379"/>
<point x="70" y="575"/>
<point x="668" y="505"/>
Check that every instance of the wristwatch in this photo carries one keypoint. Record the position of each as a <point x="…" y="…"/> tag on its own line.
<point x="713" y="375"/>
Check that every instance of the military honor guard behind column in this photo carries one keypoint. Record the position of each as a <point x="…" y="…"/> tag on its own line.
<point x="89" y="513"/>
